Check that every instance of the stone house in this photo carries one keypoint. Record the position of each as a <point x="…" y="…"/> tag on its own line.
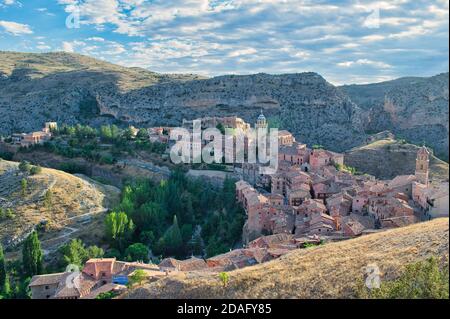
<point x="298" y="195"/>
<point x="294" y="153"/>
<point x="285" y="138"/>
<point x="98" y="275"/>
<point x="402" y="184"/>
<point x="433" y="199"/>
<point x="381" y="208"/>
<point x="352" y="228"/>
<point x="319" y="158"/>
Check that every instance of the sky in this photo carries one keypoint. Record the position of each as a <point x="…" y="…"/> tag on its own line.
<point x="346" y="41"/>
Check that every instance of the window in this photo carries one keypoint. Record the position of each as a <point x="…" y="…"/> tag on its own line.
<point x="47" y="287"/>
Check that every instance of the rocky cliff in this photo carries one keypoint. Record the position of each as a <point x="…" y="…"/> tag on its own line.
<point x="71" y="88"/>
<point x="413" y="108"/>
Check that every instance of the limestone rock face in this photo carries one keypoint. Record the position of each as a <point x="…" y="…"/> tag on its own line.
<point x="70" y="88"/>
<point x="415" y="109"/>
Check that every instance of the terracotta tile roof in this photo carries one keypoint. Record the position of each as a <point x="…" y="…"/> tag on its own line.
<point x="401" y="180"/>
<point x="105" y="288"/>
<point x="50" y="279"/>
<point x="356" y="227"/>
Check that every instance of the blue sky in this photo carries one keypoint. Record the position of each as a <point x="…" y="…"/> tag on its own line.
<point x="346" y="41"/>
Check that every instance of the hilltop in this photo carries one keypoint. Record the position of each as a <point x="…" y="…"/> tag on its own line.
<point x="329" y="271"/>
<point x="388" y="157"/>
<point x="77" y="206"/>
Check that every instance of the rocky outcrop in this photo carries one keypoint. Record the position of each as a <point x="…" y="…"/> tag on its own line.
<point x="71" y="88"/>
<point x="415" y="109"/>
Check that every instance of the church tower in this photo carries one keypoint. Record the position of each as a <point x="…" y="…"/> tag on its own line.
<point x="261" y="122"/>
<point x="422" y="165"/>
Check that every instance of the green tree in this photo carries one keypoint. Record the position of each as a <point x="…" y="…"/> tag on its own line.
<point x="24" y="167"/>
<point x="32" y="255"/>
<point x="173" y="239"/>
<point x="142" y="134"/>
<point x="23" y="186"/>
<point x="119" y="228"/>
<point x="224" y="278"/>
<point x="138" y="277"/>
<point x="6" y="288"/>
<point x="76" y="253"/>
<point x="35" y="170"/>
<point x="137" y="252"/>
<point x="128" y="133"/>
<point x="2" y="268"/>
<point x="48" y="199"/>
<point x="221" y="128"/>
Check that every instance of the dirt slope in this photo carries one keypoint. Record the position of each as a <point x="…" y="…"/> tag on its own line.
<point x="328" y="271"/>
<point x="77" y="204"/>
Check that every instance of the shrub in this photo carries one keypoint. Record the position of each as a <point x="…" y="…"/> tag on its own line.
<point x="421" y="280"/>
<point x="35" y="170"/>
<point x="107" y="295"/>
<point x="224" y="278"/>
<point x="24" y="167"/>
<point x="138" y="277"/>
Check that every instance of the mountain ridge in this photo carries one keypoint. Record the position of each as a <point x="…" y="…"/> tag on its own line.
<point x="71" y="88"/>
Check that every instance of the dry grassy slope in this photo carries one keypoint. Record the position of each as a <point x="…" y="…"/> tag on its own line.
<point x="387" y="158"/>
<point x="329" y="271"/>
<point x="72" y="196"/>
<point x="45" y="64"/>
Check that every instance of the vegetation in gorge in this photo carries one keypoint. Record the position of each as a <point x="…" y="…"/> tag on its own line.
<point x="179" y="217"/>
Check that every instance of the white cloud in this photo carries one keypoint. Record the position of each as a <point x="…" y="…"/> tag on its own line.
<point x="68" y="47"/>
<point x="213" y="36"/>
<point x="360" y="62"/>
<point x="11" y="2"/>
<point x="15" y="28"/>
<point x="97" y="39"/>
<point x="43" y="47"/>
<point x="242" y="52"/>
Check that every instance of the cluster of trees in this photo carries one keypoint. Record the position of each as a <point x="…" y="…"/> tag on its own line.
<point x="76" y="253"/>
<point x="177" y="217"/>
<point x="26" y="168"/>
<point x="15" y="276"/>
<point x="83" y="141"/>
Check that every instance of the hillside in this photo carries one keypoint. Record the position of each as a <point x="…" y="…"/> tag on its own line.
<point x="328" y="271"/>
<point x="413" y="108"/>
<point x="388" y="157"/>
<point x="76" y="208"/>
<point x="71" y="88"/>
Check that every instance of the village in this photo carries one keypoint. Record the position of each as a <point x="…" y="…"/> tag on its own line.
<point x="312" y="198"/>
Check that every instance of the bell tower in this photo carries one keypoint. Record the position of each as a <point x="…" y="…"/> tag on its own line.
<point x="261" y="122"/>
<point x="422" y="165"/>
